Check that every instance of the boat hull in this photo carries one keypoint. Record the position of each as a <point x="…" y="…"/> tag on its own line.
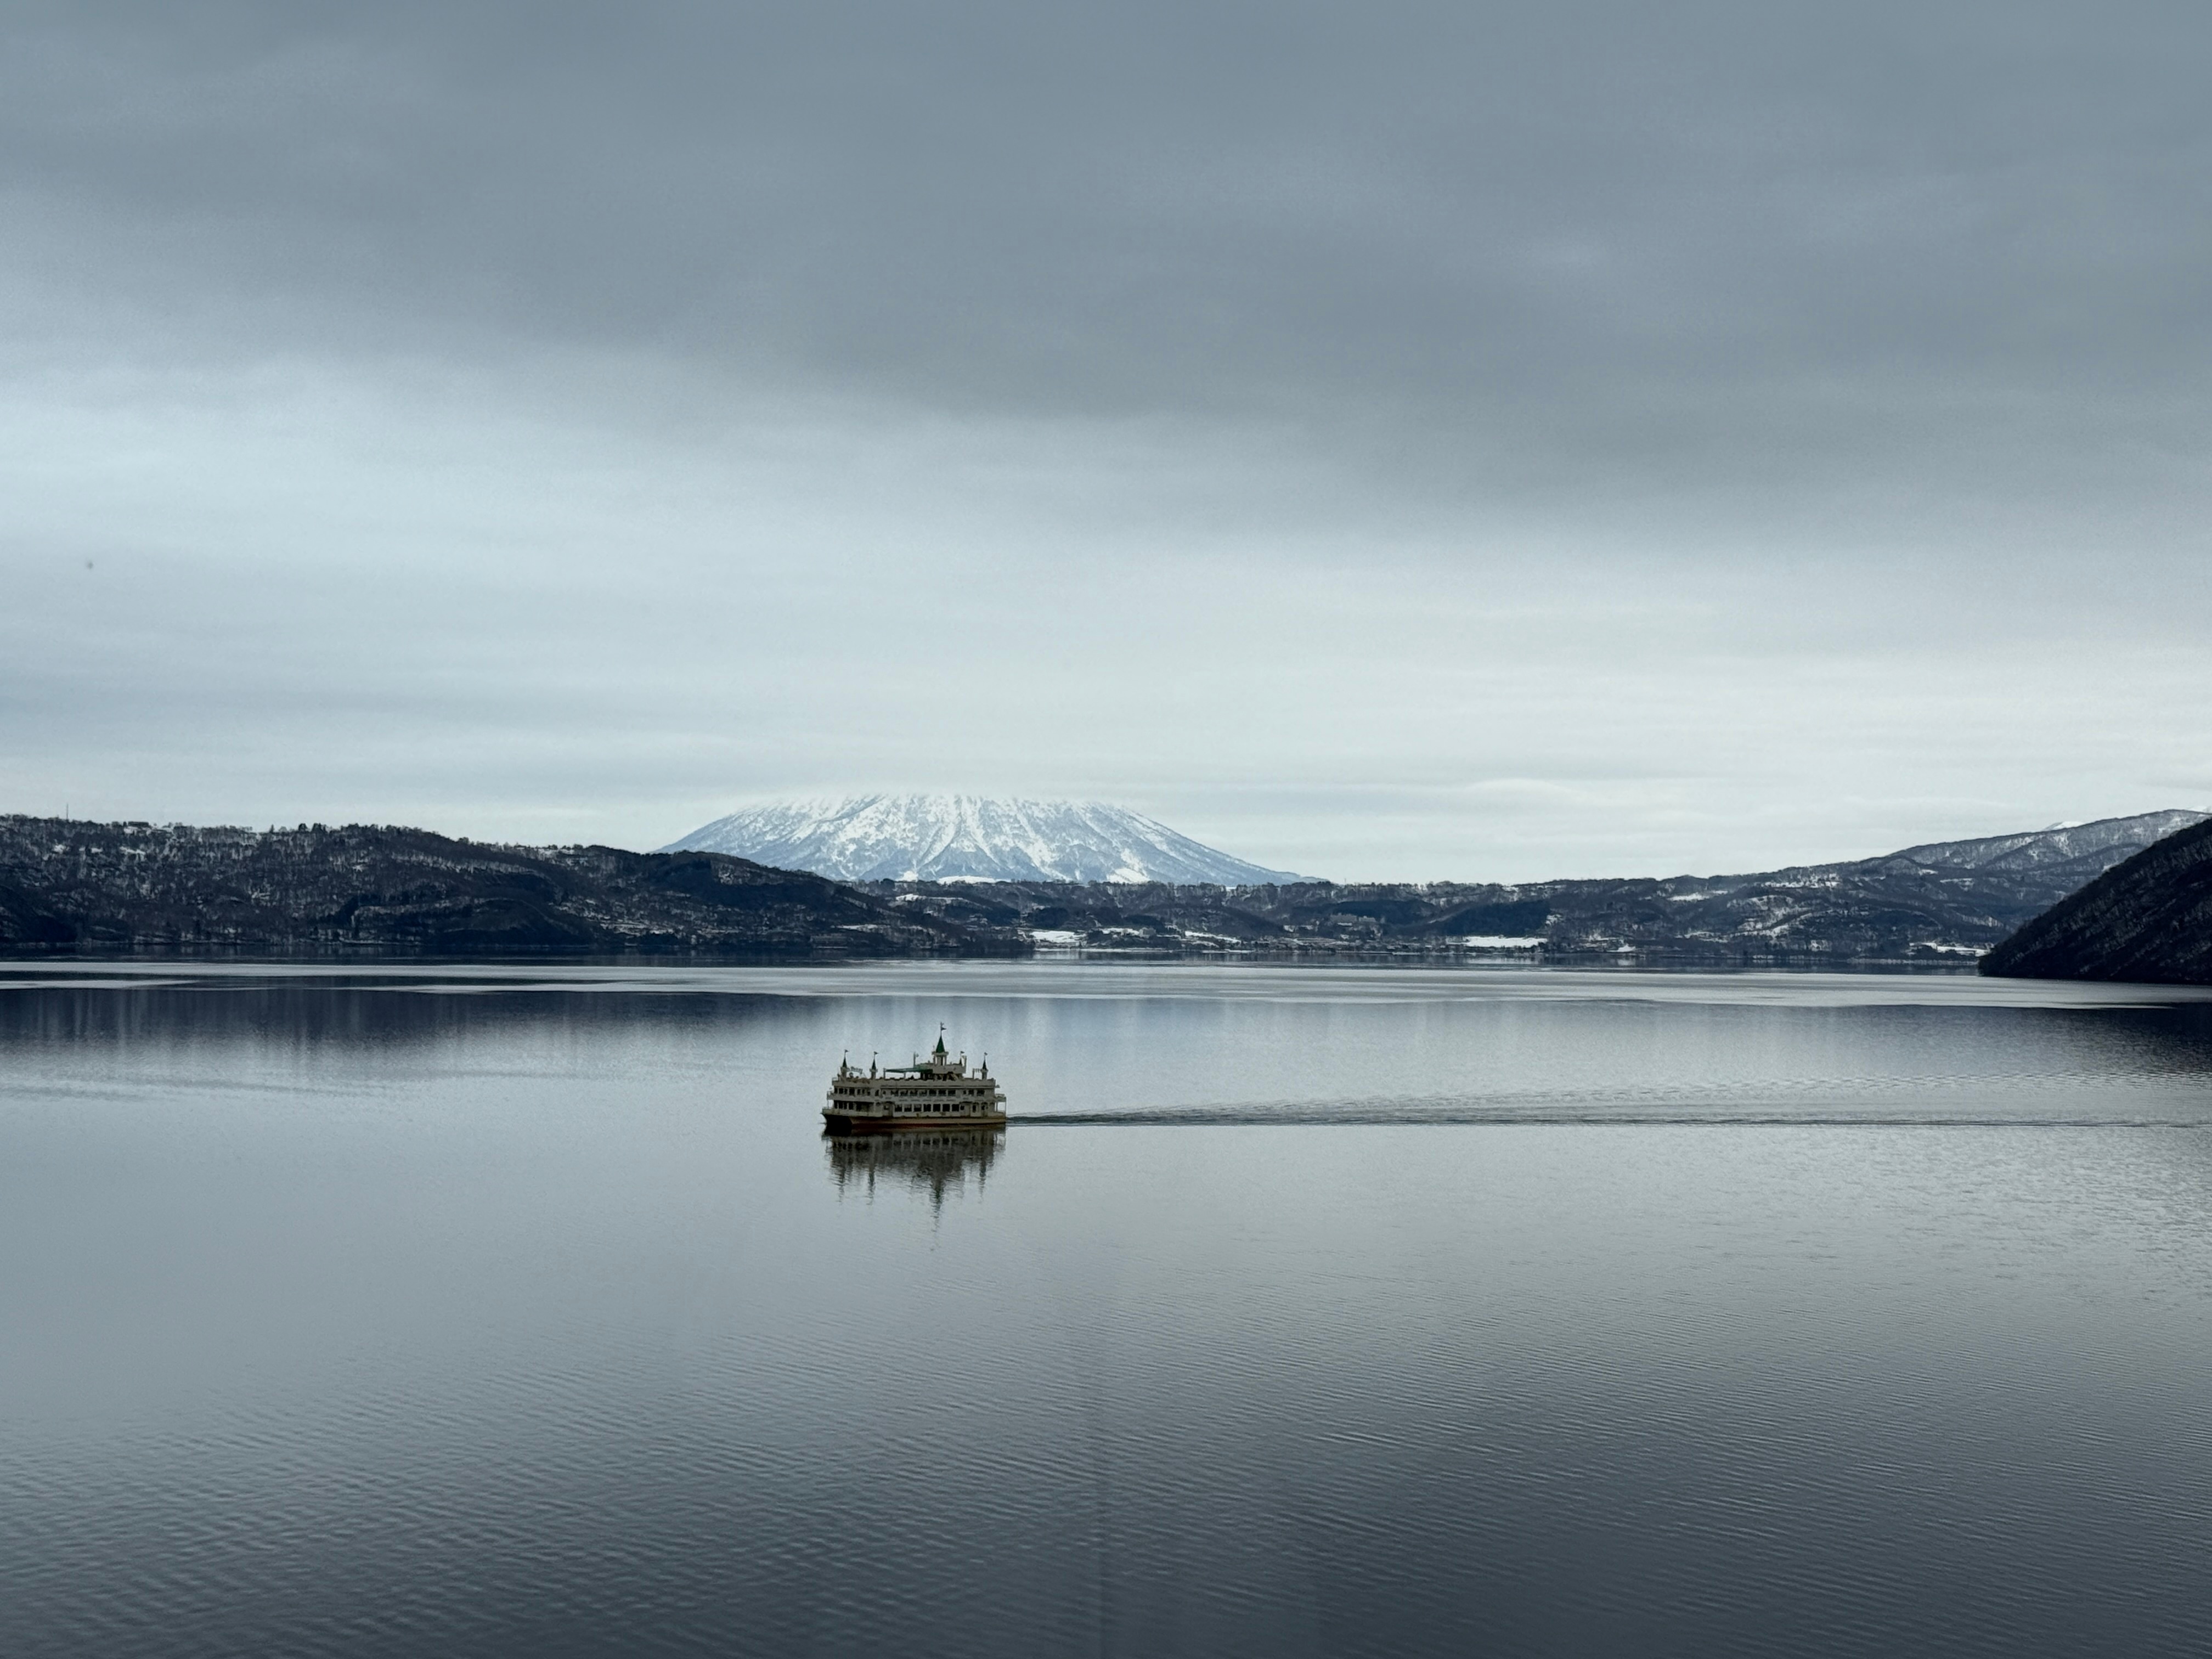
<point x="855" y="1123"/>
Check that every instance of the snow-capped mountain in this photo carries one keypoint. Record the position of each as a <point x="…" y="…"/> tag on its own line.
<point x="968" y="837"/>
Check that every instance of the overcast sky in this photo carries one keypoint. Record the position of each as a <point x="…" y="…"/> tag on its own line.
<point x="1396" y="441"/>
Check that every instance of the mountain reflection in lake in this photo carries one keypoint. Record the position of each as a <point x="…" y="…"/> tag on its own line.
<point x="485" y="1311"/>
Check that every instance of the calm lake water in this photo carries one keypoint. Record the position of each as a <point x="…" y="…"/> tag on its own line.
<point x="478" y="1311"/>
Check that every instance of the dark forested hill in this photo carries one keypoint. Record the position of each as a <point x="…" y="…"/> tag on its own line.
<point x="2148" y="920"/>
<point x="67" y="885"/>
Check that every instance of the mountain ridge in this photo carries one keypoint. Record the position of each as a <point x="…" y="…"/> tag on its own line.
<point x="69" y="884"/>
<point x="1938" y="902"/>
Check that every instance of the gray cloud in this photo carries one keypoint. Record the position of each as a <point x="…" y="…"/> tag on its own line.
<point x="1667" y="436"/>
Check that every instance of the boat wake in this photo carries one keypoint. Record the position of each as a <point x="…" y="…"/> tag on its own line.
<point x="1718" y="1120"/>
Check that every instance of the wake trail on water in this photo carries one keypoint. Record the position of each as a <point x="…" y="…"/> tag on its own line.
<point x="1597" y="1119"/>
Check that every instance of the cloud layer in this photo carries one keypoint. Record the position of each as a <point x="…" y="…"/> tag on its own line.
<point x="1407" y="440"/>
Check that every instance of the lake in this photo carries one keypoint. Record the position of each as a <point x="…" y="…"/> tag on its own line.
<point x="497" y="1311"/>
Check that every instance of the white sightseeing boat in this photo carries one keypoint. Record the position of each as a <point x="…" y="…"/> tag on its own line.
<point x="939" y="1092"/>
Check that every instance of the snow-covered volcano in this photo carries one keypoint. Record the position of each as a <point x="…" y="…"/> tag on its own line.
<point x="968" y="837"/>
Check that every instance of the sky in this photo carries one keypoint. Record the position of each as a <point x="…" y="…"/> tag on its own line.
<point x="1392" y="441"/>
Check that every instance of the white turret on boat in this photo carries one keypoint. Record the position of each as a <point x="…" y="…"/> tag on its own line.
<point x="934" y="1093"/>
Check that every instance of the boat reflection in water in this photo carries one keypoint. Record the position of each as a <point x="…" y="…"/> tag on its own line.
<point x="927" y="1160"/>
